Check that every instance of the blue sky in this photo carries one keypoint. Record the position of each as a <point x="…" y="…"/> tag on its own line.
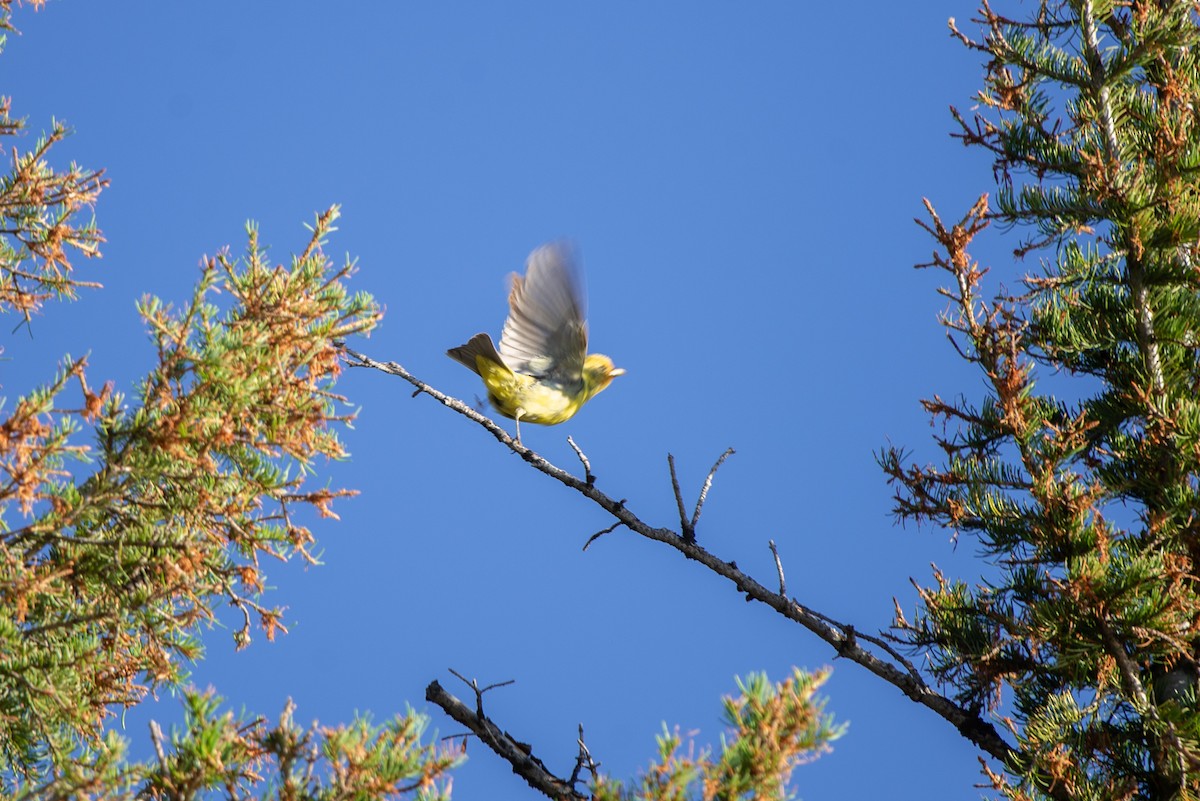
<point x="741" y="181"/>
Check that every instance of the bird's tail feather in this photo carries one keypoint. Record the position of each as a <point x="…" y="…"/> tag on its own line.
<point x="478" y="345"/>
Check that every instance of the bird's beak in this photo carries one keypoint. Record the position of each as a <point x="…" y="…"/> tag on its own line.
<point x="617" y="371"/>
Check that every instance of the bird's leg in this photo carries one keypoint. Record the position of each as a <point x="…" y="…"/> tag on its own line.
<point x="517" y="417"/>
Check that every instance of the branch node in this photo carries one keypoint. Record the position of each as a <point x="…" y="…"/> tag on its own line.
<point x="848" y="642"/>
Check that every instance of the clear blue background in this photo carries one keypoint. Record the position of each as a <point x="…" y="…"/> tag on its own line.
<point x="741" y="179"/>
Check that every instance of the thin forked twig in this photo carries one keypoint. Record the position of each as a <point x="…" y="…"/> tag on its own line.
<point x="474" y="685"/>
<point x="583" y="760"/>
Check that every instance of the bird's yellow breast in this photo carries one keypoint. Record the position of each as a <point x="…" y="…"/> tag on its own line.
<point x="528" y="398"/>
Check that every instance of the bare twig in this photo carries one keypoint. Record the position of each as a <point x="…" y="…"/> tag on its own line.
<point x="967" y="721"/>
<point x="392" y="368"/>
<point x="474" y="685"/>
<point x="778" y="567"/>
<point x="587" y="466"/>
<point x="600" y="534"/>
<point x="707" y="486"/>
<point x="584" y="760"/>
<point x="516" y="753"/>
<point x="689" y="534"/>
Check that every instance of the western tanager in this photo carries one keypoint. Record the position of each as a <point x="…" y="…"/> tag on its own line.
<point x="542" y="372"/>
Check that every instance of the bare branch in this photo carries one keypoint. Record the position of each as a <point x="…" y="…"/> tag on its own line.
<point x="392" y="368"/>
<point x="516" y="753"/>
<point x="841" y="636"/>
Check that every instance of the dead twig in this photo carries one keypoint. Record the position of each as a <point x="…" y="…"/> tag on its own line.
<point x="707" y="486"/>
<point x="587" y="466"/>
<point x="474" y="685"/>
<point x="600" y="534"/>
<point x="778" y="567"/>
<point x="516" y="753"/>
<point x="584" y="760"/>
<point x="685" y="527"/>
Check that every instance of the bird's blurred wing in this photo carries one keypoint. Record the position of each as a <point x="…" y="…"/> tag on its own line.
<point x="545" y="334"/>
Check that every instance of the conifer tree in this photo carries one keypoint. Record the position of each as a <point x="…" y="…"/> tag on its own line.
<point x="1078" y="471"/>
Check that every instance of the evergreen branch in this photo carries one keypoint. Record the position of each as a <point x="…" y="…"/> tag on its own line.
<point x="114" y="572"/>
<point x="841" y="637"/>
<point x="214" y="754"/>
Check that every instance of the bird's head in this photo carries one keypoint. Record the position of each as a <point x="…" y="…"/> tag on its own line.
<point x="598" y="372"/>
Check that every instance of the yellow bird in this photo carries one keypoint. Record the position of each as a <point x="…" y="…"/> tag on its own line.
<point x="542" y="372"/>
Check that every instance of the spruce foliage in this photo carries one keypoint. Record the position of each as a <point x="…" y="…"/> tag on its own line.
<point x="1084" y="639"/>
